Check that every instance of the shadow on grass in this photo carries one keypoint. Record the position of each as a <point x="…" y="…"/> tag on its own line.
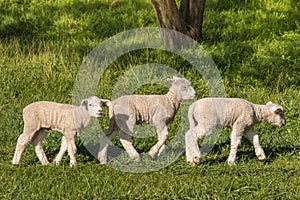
<point x="273" y="153"/>
<point x="61" y="21"/>
<point x="74" y="27"/>
<point x="217" y="155"/>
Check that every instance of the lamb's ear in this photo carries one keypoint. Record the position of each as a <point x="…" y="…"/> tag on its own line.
<point x="173" y="80"/>
<point x="276" y="109"/>
<point x="84" y="102"/>
<point x="269" y="103"/>
<point x="106" y="102"/>
<point x="170" y="80"/>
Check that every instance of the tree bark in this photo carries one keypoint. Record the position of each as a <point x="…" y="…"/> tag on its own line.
<point x="187" y="19"/>
<point x="168" y="17"/>
<point x="192" y="12"/>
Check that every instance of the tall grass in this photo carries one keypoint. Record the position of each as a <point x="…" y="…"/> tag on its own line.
<point x="255" y="45"/>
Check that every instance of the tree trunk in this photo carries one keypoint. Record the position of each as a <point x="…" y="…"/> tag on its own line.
<point x="187" y="20"/>
<point x="168" y="17"/>
<point x="192" y="13"/>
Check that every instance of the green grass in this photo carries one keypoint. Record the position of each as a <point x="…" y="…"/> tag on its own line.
<point x="255" y="45"/>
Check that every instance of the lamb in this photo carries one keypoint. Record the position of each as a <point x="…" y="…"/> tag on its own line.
<point x="42" y="116"/>
<point x="238" y="114"/>
<point x="157" y="110"/>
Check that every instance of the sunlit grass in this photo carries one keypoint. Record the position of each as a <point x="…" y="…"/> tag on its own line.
<point x="255" y="45"/>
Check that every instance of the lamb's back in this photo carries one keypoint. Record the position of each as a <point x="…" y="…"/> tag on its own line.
<point x="141" y="107"/>
<point x="223" y="111"/>
<point x="49" y="115"/>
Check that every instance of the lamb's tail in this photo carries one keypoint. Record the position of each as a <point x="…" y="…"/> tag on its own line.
<point x="113" y="127"/>
<point x="191" y="116"/>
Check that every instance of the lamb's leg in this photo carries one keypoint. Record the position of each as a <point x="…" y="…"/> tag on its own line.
<point x="23" y="140"/>
<point x="254" y="139"/>
<point x="105" y="140"/>
<point x="162" y="133"/>
<point x="63" y="149"/>
<point x="37" y="140"/>
<point x="125" y="139"/>
<point x="71" y="148"/>
<point x="127" y="125"/>
<point x="162" y="150"/>
<point x="192" y="151"/>
<point x="235" y="140"/>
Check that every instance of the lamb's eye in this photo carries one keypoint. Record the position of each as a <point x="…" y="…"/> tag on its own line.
<point x="90" y="104"/>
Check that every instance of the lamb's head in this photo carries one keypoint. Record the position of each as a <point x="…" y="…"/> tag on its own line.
<point x="276" y="114"/>
<point x="94" y="105"/>
<point x="182" y="87"/>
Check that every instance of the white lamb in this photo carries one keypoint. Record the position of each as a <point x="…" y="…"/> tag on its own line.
<point x="157" y="110"/>
<point x="42" y="116"/>
<point x="238" y="114"/>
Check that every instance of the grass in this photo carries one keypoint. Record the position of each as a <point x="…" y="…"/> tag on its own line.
<point x="255" y="45"/>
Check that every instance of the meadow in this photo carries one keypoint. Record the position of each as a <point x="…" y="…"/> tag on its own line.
<point x="255" y="46"/>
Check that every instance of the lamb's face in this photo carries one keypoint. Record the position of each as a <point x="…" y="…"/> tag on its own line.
<point x="276" y="116"/>
<point x="184" y="87"/>
<point x="94" y="105"/>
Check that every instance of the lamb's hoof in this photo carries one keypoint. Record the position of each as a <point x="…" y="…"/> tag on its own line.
<point x="73" y="164"/>
<point x="45" y="163"/>
<point x="136" y="159"/>
<point x="197" y="160"/>
<point x="162" y="151"/>
<point x="150" y="156"/>
<point x="14" y="163"/>
<point x="55" y="162"/>
<point x="261" y="157"/>
<point x="231" y="163"/>
<point x="192" y="163"/>
<point x="103" y="163"/>
<point x="114" y="3"/>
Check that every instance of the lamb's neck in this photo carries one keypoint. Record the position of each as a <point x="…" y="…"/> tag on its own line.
<point x="260" y="113"/>
<point x="173" y="99"/>
<point x="82" y="117"/>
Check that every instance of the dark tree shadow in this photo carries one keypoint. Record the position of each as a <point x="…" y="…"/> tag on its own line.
<point x="29" y="22"/>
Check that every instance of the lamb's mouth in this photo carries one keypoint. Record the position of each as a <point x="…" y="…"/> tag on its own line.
<point x="192" y="96"/>
<point x="99" y="114"/>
